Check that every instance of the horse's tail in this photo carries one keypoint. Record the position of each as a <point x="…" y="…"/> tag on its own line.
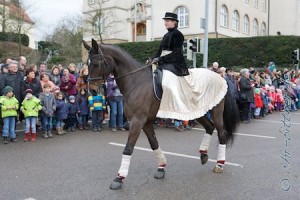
<point x="231" y="117"/>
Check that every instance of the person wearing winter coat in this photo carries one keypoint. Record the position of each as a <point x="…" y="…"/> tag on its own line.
<point x="9" y="106"/>
<point x="55" y="75"/>
<point x="115" y="99"/>
<point x="61" y="112"/>
<point x="68" y="83"/>
<point x="45" y="79"/>
<point x="246" y="95"/>
<point x="83" y="109"/>
<point x="30" y="108"/>
<point x="48" y="108"/>
<point x="82" y="82"/>
<point x="258" y="103"/>
<point x="31" y="83"/>
<point x="72" y="113"/>
<point x="97" y="104"/>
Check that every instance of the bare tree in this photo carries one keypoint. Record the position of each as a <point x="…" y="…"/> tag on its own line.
<point x="68" y="36"/>
<point x="100" y="21"/>
<point x="3" y="14"/>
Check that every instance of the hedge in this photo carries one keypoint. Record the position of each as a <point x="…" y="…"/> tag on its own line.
<point x="241" y="52"/>
<point x="14" y="37"/>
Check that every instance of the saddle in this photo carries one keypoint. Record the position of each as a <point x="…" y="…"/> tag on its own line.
<point x="157" y="82"/>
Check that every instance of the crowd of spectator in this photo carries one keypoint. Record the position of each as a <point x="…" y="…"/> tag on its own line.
<point x="59" y="99"/>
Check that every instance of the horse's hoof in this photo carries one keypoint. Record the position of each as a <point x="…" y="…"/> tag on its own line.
<point x="218" y="169"/>
<point x="159" y="174"/>
<point x="204" y="158"/>
<point x="116" y="184"/>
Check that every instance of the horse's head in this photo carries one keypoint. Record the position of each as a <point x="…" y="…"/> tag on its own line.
<point x="98" y="65"/>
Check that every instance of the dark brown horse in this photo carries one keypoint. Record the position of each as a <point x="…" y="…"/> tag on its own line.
<point x="141" y="107"/>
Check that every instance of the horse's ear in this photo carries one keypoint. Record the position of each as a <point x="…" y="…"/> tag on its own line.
<point x="95" y="45"/>
<point x="86" y="46"/>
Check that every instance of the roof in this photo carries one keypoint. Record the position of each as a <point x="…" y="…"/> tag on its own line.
<point x="14" y="10"/>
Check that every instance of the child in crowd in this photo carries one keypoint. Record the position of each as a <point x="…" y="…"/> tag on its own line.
<point x="30" y="108"/>
<point x="72" y="113"/>
<point x="97" y="104"/>
<point x="61" y="113"/>
<point x="279" y="100"/>
<point x="258" y="103"/>
<point x="48" y="108"/>
<point x="83" y="109"/>
<point x="265" y="99"/>
<point x="9" y="107"/>
<point x="272" y="96"/>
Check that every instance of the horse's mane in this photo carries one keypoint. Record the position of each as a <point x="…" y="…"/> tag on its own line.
<point x="119" y="50"/>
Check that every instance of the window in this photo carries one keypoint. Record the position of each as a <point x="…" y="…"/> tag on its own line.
<point x="264" y="5"/>
<point x="183" y="16"/>
<point x="246" y="25"/>
<point x="263" y="29"/>
<point x="91" y="2"/>
<point x="255" y="27"/>
<point x="236" y="21"/>
<point x="224" y="16"/>
<point x="246" y="1"/>
<point x="255" y="3"/>
<point x="98" y="25"/>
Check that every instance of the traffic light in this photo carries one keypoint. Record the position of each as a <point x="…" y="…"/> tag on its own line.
<point x="295" y="56"/>
<point x="194" y="45"/>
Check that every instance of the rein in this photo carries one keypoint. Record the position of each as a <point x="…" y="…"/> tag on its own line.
<point x="134" y="71"/>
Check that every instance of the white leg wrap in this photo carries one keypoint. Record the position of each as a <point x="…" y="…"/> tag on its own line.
<point x="123" y="171"/>
<point x="221" y="154"/>
<point x="205" y="143"/>
<point x="160" y="157"/>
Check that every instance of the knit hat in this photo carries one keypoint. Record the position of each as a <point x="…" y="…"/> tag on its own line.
<point x="257" y="90"/>
<point x="55" y="89"/>
<point x="71" y="97"/>
<point x="28" y="91"/>
<point x="4" y="66"/>
<point x="7" y="89"/>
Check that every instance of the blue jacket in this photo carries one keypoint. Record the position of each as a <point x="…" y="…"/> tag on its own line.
<point x="72" y="109"/>
<point x="97" y="102"/>
<point x="61" y="109"/>
<point x="82" y="104"/>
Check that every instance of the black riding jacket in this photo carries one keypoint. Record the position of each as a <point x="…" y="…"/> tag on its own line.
<point x="173" y="41"/>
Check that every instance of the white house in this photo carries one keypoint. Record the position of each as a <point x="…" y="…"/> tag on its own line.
<point x="234" y="18"/>
<point x="16" y="18"/>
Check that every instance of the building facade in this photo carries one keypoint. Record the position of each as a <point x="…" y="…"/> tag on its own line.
<point x="234" y="18"/>
<point x="16" y="20"/>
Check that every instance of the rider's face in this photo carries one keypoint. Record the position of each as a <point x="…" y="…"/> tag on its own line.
<point x="169" y="23"/>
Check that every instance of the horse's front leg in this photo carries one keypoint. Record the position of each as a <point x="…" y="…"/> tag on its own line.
<point x="160" y="157"/>
<point x="134" y="132"/>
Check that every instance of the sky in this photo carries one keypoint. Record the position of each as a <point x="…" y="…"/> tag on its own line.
<point x="46" y="13"/>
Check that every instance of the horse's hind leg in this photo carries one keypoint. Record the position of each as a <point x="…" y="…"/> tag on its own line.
<point x="160" y="157"/>
<point x="217" y="115"/>
<point x="209" y="128"/>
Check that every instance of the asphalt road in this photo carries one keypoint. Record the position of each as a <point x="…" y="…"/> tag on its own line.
<point x="81" y="165"/>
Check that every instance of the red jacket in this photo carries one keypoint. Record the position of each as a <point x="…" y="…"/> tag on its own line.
<point x="258" y="101"/>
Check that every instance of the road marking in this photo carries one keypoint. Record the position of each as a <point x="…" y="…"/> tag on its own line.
<point x="176" y="154"/>
<point x="243" y="134"/>
<point x="278" y="122"/>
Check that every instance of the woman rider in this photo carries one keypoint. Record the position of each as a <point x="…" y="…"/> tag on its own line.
<point x="170" y="55"/>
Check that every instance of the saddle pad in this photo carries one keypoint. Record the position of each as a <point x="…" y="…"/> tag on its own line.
<point x="190" y="97"/>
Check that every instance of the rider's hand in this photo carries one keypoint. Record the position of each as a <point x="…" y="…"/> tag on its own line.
<point x="155" y="60"/>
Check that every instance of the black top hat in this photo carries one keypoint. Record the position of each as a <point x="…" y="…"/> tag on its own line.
<point x="171" y="16"/>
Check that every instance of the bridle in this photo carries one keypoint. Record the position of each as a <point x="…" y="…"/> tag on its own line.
<point x="102" y="59"/>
